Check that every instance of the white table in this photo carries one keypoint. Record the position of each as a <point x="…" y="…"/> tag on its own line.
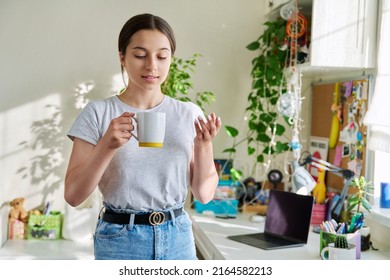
<point x="47" y="250"/>
<point x="210" y="236"/>
<point x="212" y="242"/>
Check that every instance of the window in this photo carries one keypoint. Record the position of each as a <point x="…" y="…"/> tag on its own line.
<point x="381" y="170"/>
<point x="378" y="116"/>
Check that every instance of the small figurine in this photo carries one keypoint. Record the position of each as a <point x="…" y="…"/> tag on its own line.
<point x="17" y="211"/>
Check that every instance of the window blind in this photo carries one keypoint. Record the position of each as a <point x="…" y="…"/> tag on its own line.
<point x="377" y="117"/>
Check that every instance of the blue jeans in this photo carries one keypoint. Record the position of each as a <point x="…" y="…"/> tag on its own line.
<point x="172" y="240"/>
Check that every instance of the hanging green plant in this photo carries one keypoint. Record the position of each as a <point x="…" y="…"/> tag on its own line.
<point x="266" y="126"/>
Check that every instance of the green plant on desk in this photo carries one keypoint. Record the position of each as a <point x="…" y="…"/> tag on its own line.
<point x="356" y="202"/>
<point x="358" y="199"/>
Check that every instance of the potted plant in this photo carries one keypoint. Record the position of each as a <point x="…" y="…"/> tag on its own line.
<point x="340" y="249"/>
<point x="178" y="84"/>
<point x="356" y="202"/>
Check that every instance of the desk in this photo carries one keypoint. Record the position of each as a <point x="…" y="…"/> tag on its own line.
<point x="212" y="242"/>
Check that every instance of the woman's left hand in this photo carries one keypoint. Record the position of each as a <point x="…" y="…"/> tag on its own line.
<point x="206" y="131"/>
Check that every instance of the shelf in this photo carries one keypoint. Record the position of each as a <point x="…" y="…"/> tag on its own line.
<point x="341" y="34"/>
<point x="380" y="215"/>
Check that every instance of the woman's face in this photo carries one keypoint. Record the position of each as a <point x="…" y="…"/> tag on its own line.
<point x="147" y="60"/>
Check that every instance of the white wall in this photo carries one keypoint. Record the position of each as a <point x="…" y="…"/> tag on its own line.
<point x="49" y="47"/>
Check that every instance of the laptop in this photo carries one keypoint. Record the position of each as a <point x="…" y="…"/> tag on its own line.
<point x="287" y="223"/>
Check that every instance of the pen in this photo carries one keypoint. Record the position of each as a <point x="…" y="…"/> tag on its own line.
<point x="334" y="223"/>
<point x="352" y="224"/>
<point x="358" y="222"/>
<point x="328" y="227"/>
<point x="325" y="227"/>
<point x="47" y="208"/>
<point x="340" y="230"/>
<point x="332" y="229"/>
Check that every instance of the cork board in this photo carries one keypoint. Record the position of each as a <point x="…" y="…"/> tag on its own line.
<point x="351" y="110"/>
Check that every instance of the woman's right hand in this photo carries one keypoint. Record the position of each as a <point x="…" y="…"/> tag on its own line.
<point x="88" y="162"/>
<point x="119" y="131"/>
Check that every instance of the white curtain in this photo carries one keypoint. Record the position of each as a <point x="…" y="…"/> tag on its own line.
<point x="378" y="115"/>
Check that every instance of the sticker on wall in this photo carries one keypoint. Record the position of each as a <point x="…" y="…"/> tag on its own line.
<point x="346" y="150"/>
<point x="359" y="91"/>
<point x="349" y="132"/>
<point x="352" y="165"/>
<point x="338" y="155"/>
<point x="319" y="149"/>
<point x="365" y="90"/>
<point x="347" y="89"/>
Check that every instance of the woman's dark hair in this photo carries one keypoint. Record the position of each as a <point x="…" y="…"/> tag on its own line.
<point x="144" y="22"/>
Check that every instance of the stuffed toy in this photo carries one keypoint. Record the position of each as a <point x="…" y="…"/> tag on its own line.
<point x="17" y="211"/>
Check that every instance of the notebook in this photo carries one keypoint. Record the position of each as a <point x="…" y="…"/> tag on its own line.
<point x="287" y="223"/>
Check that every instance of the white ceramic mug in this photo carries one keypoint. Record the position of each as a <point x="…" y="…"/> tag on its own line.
<point x="150" y="129"/>
<point x="339" y="253"/>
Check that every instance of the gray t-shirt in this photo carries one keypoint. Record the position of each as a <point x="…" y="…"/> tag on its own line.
<point x="143" y="178"/>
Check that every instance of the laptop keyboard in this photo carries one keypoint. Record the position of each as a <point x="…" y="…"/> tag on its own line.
<point x="274" y="240"/>
<point x="269" y="239"/>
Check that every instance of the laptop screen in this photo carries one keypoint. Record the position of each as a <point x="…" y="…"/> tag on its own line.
<point x="289" y="215"/>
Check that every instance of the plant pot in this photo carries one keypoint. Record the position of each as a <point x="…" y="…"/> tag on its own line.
<point x="331" y="252"/>
<point x="327" y="238"/>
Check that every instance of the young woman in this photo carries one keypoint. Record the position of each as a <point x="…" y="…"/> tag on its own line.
<point x="143" y="189"/>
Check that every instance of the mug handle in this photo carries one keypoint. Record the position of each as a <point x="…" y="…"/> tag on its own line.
<point x="323" y="251"/>
<point x="135" y="136"/>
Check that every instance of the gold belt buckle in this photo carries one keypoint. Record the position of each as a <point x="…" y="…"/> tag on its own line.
<point x="156" y="218"/>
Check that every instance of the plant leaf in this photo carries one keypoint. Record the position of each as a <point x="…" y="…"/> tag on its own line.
<point x="366" y="204"/>
<point x="231" y="131"/>
<point x="229" y="150"/>
<point x="235" y="174"/>
<point x="263" y="138"/>
<point x="260" y="158"/>
<point x="281" y="147"/>
<point x="251" y="150"/>
<point x="253" y="46"/>
<point x="280" y="129"/>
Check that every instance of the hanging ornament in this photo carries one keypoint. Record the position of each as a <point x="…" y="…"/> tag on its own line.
<point x="296" y="27"/>
<point x="295" y="146"/>
<point x="289" y="11"/>
<point x="286" y="104"/>
<point x="293" y="78"/>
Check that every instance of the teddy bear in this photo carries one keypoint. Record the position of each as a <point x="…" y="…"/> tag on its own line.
<point x="17" y="211"/>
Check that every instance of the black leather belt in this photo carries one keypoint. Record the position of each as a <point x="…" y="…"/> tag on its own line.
<point x="154" y="218"/>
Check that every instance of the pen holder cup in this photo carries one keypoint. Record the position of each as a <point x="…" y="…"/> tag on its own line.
<point x="353" y="238"/>
<point x="45" y="227"/>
